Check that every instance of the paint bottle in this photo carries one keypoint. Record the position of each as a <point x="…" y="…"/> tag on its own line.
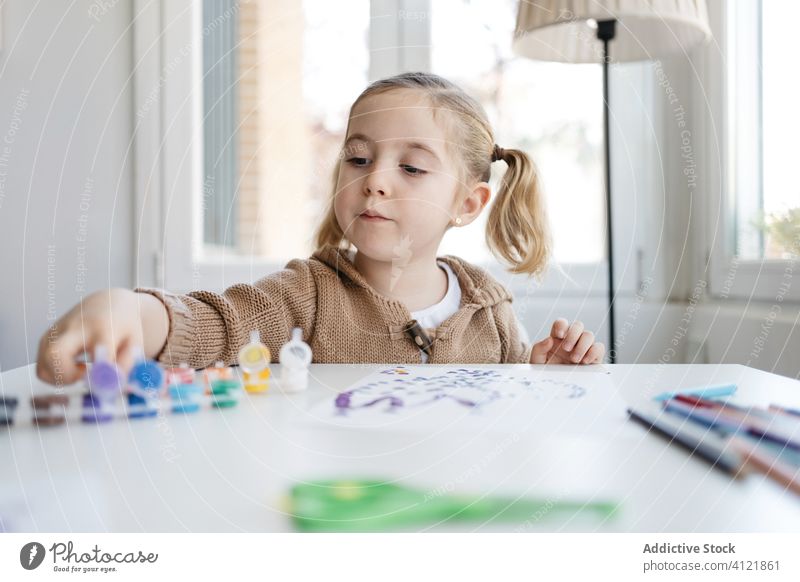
<point x="144" y="384"/>
<point x="219" y="371"/>
<point x="8" y="406"/>
<point x="295" y="357"/>
<point x="49" y="409"/>
<point x="105" y="385"/>
<point x="184" y="393"/>
<point x="254" y="359"/>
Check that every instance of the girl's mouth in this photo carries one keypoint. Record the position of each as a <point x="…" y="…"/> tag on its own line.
<point x="372" y="217"/>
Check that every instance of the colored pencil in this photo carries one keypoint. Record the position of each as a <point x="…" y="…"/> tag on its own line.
<point x="783" y="410"/>
<point x="712" y="391"/>
<point x="738" y="420"/>
<point x="706" y="443"/>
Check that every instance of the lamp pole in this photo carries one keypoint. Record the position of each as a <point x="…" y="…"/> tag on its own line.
<point x="606" y="29"/>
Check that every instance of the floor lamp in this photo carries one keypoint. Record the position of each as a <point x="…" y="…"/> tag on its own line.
<point x="583" y="31"/>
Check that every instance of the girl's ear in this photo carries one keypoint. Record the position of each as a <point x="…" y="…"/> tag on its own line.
<point x="474" y="203"/>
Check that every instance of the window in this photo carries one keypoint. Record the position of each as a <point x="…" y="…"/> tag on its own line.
<point x="560" y="129"/>
<point x="279" y="78"/>
<point x="745" y="100"/>
<point x="274" y="124"/>
<point x="764" y="122"/>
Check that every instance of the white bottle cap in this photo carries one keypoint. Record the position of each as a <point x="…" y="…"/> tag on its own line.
<point x="138" y="353"/>
<point x="100" y="353"/>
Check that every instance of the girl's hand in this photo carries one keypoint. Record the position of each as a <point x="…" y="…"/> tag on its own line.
<point x="117" y="319"/>
<point x="568" y="344"/>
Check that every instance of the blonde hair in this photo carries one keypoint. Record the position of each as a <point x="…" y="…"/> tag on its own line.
<point x="517" y="229"/>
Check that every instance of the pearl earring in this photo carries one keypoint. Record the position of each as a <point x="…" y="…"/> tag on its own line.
<point x="458" y="221"/>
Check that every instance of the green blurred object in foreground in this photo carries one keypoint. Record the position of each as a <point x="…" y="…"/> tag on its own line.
<point x="372" y="505"/>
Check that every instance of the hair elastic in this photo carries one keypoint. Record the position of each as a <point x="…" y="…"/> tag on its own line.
<point x="498" y="153"/>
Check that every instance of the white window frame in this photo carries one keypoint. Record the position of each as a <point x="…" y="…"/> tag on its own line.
<point x="168" y="174"/>
<point x="730" y="278"/>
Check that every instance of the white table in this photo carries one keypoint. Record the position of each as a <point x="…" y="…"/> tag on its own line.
<point x="229" y="470"/>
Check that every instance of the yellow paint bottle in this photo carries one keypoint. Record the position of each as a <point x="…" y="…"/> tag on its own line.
<point x="254" y="359"/>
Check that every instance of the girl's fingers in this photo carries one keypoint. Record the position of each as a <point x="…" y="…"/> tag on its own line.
<point x="595" y="354"/>
<point x="126" y="354"/>
<point x="125" y="357"/>
<point x="55" y="362"/>
<point x="102" y="339"/>
<point x="540" y="351"/>
<point x="581" y="347"/>
<point x="559" y="329"/>
<point x="573" y="335"/>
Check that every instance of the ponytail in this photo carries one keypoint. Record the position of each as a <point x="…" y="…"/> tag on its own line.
<point x="517" y="229"/>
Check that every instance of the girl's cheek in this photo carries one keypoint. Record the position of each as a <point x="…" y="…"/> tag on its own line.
<point x="338" y="208"/>
<point x="345" y="188"/>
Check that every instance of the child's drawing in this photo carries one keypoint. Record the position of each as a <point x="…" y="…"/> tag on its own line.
<point x="425" y="398"/>
<point x="470" y="388"/>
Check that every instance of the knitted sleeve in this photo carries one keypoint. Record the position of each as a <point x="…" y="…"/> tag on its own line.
<point x="205" y="327"/>
<point x="512" y="349"/>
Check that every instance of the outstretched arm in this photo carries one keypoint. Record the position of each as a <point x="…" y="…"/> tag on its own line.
<point x="205" y="327"/>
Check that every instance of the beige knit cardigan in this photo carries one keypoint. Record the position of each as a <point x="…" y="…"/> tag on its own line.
<point x="343" y="319"/>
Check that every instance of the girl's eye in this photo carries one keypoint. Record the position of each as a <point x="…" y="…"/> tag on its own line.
<point x="411" y="170"/>
<point x="358" y="162"/>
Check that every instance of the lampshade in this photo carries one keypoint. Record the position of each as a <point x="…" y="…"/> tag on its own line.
<point x="562" y="30"/>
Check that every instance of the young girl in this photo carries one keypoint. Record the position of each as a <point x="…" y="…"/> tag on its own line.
<point x="415" y="162"/>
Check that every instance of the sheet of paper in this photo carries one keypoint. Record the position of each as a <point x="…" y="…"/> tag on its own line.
<point x="514" y="400"/>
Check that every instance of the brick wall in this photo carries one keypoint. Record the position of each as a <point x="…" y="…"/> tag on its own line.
<point x="275" y="218"/>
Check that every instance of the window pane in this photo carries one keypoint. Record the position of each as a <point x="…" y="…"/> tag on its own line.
<point x="781" y="127"/>
<point x="764" y="125"/>
<point x="553" y="111"/>
<point x="297" y="68"/>
<point x="219" y="116"/>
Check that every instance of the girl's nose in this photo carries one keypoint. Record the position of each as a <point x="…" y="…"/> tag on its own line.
<point x="368" y="190"/>
<point x="374" y="184"/>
